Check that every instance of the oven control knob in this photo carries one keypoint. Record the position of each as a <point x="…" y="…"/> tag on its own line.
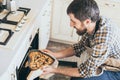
<point x="20" y="25"/>
<point x="23" y="21"/>
<point x="25" y="18"/>
<point x="17" y="29"/>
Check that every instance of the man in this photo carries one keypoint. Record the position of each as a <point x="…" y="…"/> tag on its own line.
<point x="100" y="39"/>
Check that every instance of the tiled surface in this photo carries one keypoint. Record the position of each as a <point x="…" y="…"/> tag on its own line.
<point x="55" y="46"/>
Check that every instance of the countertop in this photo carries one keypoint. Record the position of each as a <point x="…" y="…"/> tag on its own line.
<point x="9" y="55"/>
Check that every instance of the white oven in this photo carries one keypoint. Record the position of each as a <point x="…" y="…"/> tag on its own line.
<point x="19" y="32"/>
<point x="18" y="35"/>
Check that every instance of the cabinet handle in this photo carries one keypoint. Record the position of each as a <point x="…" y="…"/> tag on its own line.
<point x="110" y="5"/>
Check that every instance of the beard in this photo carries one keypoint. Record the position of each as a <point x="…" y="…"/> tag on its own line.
<point x="81" y="32"/>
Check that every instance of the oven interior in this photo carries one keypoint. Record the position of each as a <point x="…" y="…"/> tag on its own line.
<point x="22" y="72"/>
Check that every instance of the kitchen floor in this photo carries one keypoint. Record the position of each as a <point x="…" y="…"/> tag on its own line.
<point x="55" y="46"/>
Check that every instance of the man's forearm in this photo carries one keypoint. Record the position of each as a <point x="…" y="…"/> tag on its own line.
<point x="65" y="53"/>
<point x="73" y="72"/>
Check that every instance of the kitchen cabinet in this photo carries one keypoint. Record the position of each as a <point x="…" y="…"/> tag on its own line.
<point x="110" y="9"/>
<point x="43" y="21"/>
<point x="60" y="27"/>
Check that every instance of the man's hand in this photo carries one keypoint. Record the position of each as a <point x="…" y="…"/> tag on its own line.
<point x="73" y="72"/>
<point x="61" y="54"/>
<point x="47" y="70"/>
<point x="49" y="52"/>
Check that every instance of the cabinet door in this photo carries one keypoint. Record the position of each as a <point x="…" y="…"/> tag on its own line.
<point x="43" y="21"/>
<point x="60" y="29"/>
<point x="110" y="9"/>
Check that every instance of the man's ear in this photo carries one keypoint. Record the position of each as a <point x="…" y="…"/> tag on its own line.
<point x="87" y="22"/>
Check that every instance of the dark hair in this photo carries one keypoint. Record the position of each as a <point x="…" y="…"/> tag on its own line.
<point x="84" y="9"/>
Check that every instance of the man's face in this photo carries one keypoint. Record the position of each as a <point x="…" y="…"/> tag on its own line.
<point x="77" y="24"/>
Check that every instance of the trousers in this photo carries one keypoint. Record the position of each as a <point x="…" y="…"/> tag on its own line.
<point x="107" y="75"/>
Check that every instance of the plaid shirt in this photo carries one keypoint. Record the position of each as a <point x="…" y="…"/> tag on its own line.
<point x="104" y="44"/>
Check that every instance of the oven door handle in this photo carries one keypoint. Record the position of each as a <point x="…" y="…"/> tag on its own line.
<point x="17" y="73"/>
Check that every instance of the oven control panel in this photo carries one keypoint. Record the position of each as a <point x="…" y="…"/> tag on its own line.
<point x="8" y="20"/>
<point x="20" y="24"/>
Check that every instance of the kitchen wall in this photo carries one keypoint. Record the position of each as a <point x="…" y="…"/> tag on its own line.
<point x="116" y="0"/>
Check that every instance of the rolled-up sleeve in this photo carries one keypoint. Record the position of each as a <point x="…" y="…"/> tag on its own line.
<point x="79" y="47"/>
